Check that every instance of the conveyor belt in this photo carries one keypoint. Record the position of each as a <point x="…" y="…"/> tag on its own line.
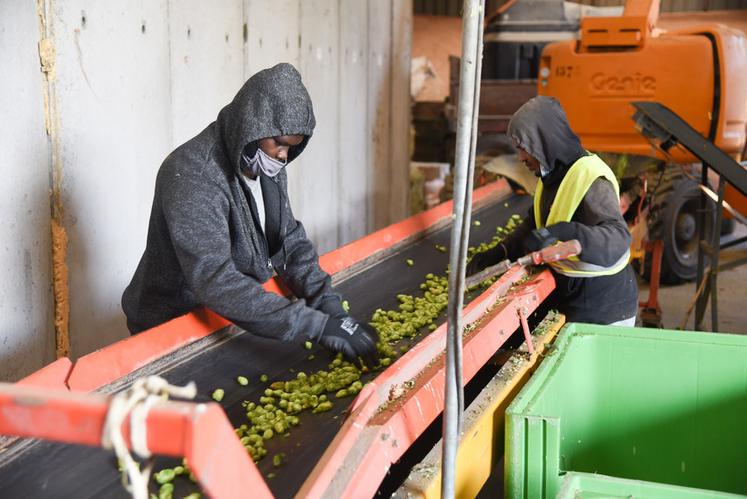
<point x="55" y="470"/>
<point x="658" y="121"/>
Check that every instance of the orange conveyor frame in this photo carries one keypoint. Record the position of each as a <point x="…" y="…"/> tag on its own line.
<point x="387" y="416"/>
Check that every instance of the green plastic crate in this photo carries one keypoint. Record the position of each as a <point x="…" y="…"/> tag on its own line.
<point x="590" y="486"/>
<point x="650" y="412"/>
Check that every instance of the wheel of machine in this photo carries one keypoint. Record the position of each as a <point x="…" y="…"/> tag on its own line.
<point x="673" y="218"/>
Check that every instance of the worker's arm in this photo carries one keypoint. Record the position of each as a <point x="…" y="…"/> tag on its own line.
<point x="514" y="243"/>
<point x="598" y="225"/>
<point x="197" y="220"/>
<point x="510" y="248"/>
<point x="303" y="275"/>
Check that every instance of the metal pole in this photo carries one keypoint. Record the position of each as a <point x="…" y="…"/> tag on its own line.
<point x="469" y="84"/>
<point x="716" y="247"/>
<point x="702" y="300"/>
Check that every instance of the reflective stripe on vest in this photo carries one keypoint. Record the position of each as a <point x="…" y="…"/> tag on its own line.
<point x="571" y="192"/>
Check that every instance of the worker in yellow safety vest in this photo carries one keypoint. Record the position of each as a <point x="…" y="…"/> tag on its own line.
<point x="577" y="197"/>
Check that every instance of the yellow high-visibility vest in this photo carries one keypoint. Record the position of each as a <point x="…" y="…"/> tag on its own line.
<point x="571" y="192"/>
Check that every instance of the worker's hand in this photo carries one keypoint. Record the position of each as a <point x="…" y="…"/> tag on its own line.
<point x="485" y="259"/>
<point x="353" y="340"/>
<point x="332" y="305"/>
<point x="538" y="239"/>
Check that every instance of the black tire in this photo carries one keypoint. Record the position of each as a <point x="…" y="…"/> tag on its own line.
<point x="673" y="219"/>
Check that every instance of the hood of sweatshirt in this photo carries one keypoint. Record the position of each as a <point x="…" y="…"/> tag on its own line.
<point x="541" y="128"/>
<point x="272" y="103"/>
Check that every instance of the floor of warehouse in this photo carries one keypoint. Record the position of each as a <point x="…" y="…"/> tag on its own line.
<point x="675" y="300"/>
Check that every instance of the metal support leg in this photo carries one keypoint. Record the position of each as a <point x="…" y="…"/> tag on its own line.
<point x="650" y="309"/>
<point x="701" y="300"/>
<point x="715" y="247"/>
<point x="525" y="327"/>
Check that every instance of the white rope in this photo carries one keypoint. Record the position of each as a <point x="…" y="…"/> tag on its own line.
<point x="137" y="402"/>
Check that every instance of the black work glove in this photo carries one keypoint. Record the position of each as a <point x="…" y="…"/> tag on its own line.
<point x="538" y="239"/>
<point x="485" y="259"/>
<point x="332" y="305"/>
<point x="353" y="340"/>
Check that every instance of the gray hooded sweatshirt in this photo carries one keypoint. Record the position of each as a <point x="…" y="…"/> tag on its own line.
<point x="205" y="247"/>
<point x="541" y="128"/>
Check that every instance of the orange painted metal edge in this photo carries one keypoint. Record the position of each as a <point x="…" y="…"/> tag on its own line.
<point x="53" y="375"/>
<point x="103" y="366"/>
<point x="219" y="461"/>
<point x="373" y="438"/>
<point x="200" y="432"/>
<point x="352" y="253"/>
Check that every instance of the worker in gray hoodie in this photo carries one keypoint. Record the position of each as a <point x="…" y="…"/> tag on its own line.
<point x="577" y="197"/>
<point x="221" y="225"/>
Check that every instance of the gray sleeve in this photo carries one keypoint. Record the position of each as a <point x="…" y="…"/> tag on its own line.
<point x="198" y="226"/>
<point x="302" y="273"/>
<point x="598" y="225"/>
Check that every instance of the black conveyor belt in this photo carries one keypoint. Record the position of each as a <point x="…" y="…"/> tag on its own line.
<point x="52" y="470"/>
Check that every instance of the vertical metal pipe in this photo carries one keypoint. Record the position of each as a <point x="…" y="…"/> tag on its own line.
<point x="716" y="247"/>
<point x="701" y="300"/>
<point x="472" y="20"/>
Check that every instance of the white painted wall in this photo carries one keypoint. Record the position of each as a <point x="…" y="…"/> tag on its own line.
<point x="113" y="95"/>
<point x="207" y="62"/>
<point x="136" y="78"/>
<point x="378" y="104"/>
<point x="353" y="184"/>
<point x="314" y="198"/>
<point x="26" y="329"/>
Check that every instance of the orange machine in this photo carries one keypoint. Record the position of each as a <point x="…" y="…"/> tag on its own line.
<point x="698" y="72"/>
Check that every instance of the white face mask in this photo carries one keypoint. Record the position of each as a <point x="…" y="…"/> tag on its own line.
<point x="261" y="161"/>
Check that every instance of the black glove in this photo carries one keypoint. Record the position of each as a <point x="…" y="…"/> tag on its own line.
<point x="485" y="259"/>
<point x="332" y="305"/>
<point x="538" y="239"/>
<point x="344" y="334"/>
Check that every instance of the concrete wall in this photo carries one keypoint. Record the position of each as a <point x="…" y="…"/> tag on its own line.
<point x="132" y="80"/>
<point x="115" y="127"/>
<point x="26" y="329"/>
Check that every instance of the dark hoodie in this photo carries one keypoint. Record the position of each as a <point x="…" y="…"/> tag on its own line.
<point x="541" y="128"/>
<point x="204" y="246"/>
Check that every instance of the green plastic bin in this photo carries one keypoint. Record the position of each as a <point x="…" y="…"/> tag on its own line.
<point x="631" y="412"/>
<point x="590" y="486"/>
